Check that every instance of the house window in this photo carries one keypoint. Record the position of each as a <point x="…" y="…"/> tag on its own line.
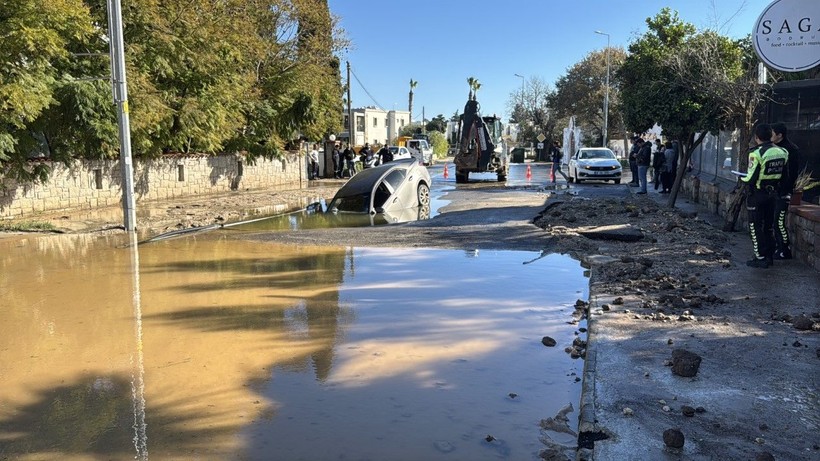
<point x="180" y="173"/>
<point x="346" y="122"/>
<point x="402" y="122"/>
<point x="386" y="122"/>
<point x="375" y="122"/>
<point x="360" y="123"/>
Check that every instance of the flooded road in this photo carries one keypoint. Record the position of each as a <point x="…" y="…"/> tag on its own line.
<point x="207" y="347"/>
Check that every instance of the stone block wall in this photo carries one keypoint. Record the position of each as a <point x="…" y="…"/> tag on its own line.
<point x="98" y="184"/>
<point x="803" y="221"/>
<point x="804" y="228"/>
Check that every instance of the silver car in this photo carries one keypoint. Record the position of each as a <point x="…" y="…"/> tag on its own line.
<point x="386" y="189"/>
<point x="596" y="163"/>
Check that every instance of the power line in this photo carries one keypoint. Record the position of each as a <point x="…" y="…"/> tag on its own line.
<point x="365" y="90"/>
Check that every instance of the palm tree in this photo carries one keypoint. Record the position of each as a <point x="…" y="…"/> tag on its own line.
<point x="471" y="81"/>
<point x="413" y="84"/>
<point x="476" y="86"/>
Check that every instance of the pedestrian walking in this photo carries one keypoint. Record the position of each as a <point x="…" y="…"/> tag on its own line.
<point x="767" y="164"/>
<point x="781" y="209"/>
<point x="313" y="165"/>
<point x="555" y="156"/>
<point x="643" y="159"/>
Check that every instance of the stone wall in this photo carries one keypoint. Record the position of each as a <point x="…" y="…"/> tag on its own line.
<point x="803" y="221"/>
<point x="98" y="184"/>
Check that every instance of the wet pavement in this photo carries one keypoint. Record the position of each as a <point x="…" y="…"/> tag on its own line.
<point x="209" y="347"/>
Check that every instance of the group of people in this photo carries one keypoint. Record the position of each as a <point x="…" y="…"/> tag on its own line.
<point x="344" y="161"/>
<point x="773" y="169"/>
<point x="663" y="158"/>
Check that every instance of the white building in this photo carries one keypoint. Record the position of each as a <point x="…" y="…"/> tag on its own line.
<point x="375" y="126"/>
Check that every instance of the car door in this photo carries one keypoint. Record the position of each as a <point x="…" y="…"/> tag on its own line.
<point x="390" y="194"/>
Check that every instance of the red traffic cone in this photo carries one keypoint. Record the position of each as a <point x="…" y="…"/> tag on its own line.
<point x="446" y="175"/>
<point x="529" y="173"/>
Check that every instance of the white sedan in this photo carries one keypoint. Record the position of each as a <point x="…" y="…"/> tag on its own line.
<point x="594" y="163"/>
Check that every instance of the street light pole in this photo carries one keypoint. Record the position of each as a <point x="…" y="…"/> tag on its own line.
<point x="522" y="91"/>
<point x="606" y="98"/>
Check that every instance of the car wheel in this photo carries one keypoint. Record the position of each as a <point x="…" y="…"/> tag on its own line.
<point x="423" y="195"/>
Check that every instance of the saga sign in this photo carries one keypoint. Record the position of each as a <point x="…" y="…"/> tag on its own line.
<point x="787" y="35"/>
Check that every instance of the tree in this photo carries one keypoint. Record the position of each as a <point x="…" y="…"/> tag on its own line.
<point x="413" y="85"/>
<point x="235" y="75"/>
<point x="474" y="86"/>
<point x="437" y="123"/>
<point x="529" y="107"/>
<point x="38" y="38"/>
<point x="651" y="93"/>
<point x="582" y="90"/>
<point x="439" y="144"/>
<point x="725" y="71"/>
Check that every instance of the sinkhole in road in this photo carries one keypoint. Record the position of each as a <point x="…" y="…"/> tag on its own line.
<point x="230" y="349"/>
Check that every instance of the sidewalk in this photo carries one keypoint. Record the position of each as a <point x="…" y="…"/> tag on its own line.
<point x="755" y="394"/>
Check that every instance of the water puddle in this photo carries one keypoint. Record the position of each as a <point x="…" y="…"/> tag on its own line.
<point x="208" y="348"/>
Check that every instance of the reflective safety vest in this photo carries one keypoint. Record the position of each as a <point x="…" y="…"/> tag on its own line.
<point x="767" y="164"/>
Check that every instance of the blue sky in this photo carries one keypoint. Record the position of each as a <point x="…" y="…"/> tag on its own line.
<point x="440" y="43"/>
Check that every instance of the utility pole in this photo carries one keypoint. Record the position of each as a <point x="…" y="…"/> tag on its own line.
<point x="120" y="89"/>
<point x="423" y="125"/>
<point x="350" y="122"/>
<point x="606" y="98"/>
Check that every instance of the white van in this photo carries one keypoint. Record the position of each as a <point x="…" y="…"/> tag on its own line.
<point x="419" y="148"/>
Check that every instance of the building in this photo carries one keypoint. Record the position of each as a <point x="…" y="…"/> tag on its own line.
<point x="374" y="125"/>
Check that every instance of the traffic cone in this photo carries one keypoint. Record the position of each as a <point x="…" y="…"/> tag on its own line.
<point x="529" y="173"/>
<point x="446" y="175"/>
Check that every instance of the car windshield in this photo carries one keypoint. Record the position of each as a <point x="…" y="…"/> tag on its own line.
<point x="598" y="153"/>
<point x="394" y="150"/>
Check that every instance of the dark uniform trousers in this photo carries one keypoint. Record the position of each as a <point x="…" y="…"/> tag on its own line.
<point x="781" y="234"/>
<point x="761" y="207"/>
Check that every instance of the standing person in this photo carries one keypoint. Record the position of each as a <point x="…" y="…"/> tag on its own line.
<point x="350" y="160"/>
<point x="337" y="162"/>
<point x="555" y="156"/>
<point x="667" y="175"/>
<point x="633" y="165"/>
<point x="781" y="208"/>
<point x="385" y="155"/>
<point x="643" y="159"/>
<point x="313" y="158"/>
<point x="767" y="164"/>
<point x="365" y="155"/>
<point x="658" y="160"/>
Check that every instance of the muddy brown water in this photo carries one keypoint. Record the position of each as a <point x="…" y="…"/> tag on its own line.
<point x="206" y="347"/>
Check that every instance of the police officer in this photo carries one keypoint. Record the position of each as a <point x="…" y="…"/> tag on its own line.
<point x="781" y="209"/>
<point x="767" y="164"/>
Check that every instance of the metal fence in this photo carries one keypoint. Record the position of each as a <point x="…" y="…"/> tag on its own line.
<point x="717" y="156"/>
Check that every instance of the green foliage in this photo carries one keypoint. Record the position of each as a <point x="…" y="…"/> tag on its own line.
<point x="439" y="143"/>
<point x="651" y="92"/>
<point x="26" y="226"/>
<point x="582" y="90"/>
<point x="203" y="76"/>
<point x="410" y="129"/>
<point x="438" y="123"/>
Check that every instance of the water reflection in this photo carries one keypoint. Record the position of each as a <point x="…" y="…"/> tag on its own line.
<point x="229" y="348"/>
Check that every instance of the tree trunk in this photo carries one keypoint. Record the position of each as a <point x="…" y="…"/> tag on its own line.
<point x="687" y="149"/>
<point x="741" y="191"/>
